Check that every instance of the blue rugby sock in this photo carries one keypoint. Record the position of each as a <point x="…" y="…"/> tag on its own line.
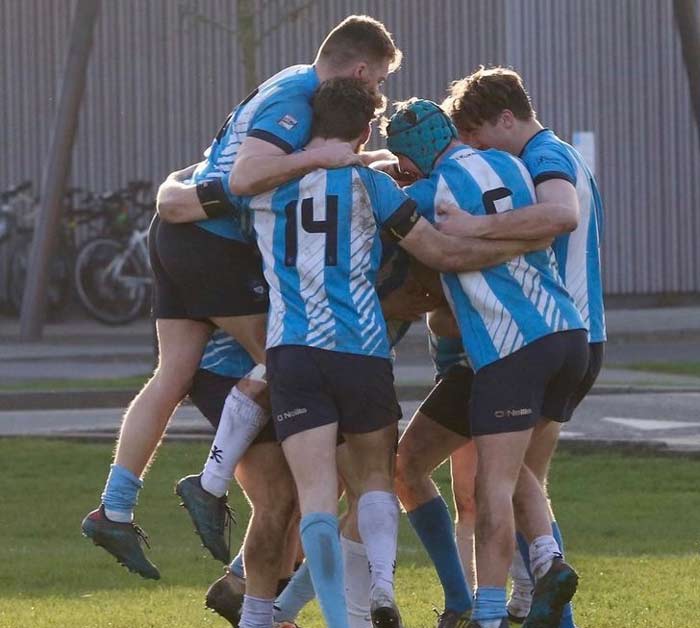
<point x="489" y="605"/>
<point x="236" y="567"/>
<point x="524" y="549"/>
<point x="120" y="494"/>
<point x="433" y="524"/>
<point x="297" y="594"/>
<point x="321" y="542"/>
<point x="567" y="618"/>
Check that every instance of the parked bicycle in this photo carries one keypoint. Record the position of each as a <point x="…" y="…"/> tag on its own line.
<point x="112" y="274"/>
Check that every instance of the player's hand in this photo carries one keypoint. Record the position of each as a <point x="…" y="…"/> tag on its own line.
<point x="370" y="157"/>
<point x="453" y="221"/>
<point x="391" y="167"/>
<point x="336" y="155"/>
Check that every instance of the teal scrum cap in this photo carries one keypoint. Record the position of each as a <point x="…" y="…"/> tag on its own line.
<point x="421" y="131"/>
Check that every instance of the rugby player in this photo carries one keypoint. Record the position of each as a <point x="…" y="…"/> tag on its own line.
<point x="526" y="342"/>
<point x="327" y="347"/>
<point x="403" y="300"/>
<point x="492" y="109"/>
<point x="208" y="272"/>
<point x="264" y="477"/>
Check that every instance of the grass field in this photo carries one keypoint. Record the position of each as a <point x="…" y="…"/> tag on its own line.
<point x="632" y="525"/>
<point x="670" y="368"/>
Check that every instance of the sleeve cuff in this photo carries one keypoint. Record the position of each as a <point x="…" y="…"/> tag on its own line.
<point x="266" y="136"/>
<point x="546" y="176"/>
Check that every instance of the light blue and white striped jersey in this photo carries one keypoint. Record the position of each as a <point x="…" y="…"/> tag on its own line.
<point x="446" y="352"/>
<point x="319" y="238"/>
<point x="577" y="253"/>
<point x="278" y="111"/>
<point x="224" y="356"/>
<point x="506" y="307"/>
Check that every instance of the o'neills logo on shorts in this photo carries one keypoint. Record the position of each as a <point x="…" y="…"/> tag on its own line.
<point x="290" y="414"/>
<point x="507" y="414"/>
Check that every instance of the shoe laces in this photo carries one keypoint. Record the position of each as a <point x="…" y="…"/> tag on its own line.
<point x="461" y="622"/>
<point x="229" y="520"/>
<point x="142" y="535"/>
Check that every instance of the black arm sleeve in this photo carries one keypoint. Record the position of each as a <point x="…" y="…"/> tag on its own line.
<point x="214" y="200"/>
<point x="402" y="221"/>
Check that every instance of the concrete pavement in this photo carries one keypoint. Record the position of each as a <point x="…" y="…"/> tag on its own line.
<point x="80" y="349"/>
<point x="665" y="421"/>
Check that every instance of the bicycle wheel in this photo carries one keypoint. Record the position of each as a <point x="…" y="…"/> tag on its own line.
<point x="59" y="278"/>
<point x="110" y="296"/>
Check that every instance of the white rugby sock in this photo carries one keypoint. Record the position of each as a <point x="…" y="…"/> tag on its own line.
<point x="542" y="551"/>
<point x="256" y="612"/>
<point x="521" y="594"/>
<point x="241" y="421"/>
<point x="357" y="583"/>
<point x="378" y="522"/>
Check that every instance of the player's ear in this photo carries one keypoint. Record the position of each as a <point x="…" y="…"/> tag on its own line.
<point x="361" y="71"/>
<point x="366" y="134"/>
<point x="508" y="119"/>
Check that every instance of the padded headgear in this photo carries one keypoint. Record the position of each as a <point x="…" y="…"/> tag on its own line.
<point x="421" y="131"/>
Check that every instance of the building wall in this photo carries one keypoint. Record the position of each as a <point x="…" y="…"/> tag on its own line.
<point x="165" y="73"/>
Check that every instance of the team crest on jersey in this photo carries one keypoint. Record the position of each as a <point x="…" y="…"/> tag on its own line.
<point x="288" y="122"/>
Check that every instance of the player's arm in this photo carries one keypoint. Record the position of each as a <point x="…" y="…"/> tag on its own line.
<point x="442" y="322"/>
<point x="179" y="202"/>
<point x="556" y="212"/>
<point x="370" y="157"/>
<point x="261" y="165"/>
<point x="450" y="254"/>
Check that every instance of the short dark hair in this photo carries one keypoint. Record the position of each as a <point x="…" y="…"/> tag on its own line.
<point x="483" y="95"/>
<point x="359" y="37"/>
<point x="343" y="107"/>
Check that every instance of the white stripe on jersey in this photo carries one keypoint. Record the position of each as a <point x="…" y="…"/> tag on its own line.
<point x="265" y="223"/>
<point x="311" y="264"/>
<point x="363" y="227"/>
<point x="576" y="253"/>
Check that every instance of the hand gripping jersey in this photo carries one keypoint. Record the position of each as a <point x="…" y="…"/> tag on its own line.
<point x="319" y="237"/>
<point x="224" y="356"/>
<point x="504" y="308"/>
<point x="577" y="253"/>
<point x="278" y="111"/>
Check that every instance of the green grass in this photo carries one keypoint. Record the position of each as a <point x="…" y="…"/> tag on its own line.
<point x="117" y="383"/>
<point x="632" y="525"/>
<point x="671" y="368"/>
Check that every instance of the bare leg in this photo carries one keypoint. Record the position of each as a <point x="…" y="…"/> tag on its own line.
<point x="264" y="476"/>
<point x="181" y="344"/>
<point x="464" y="465"/>
<point x="424" y="446"/>
<point x="500" y="457"/>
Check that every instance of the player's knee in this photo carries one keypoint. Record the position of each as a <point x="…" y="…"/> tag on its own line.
<point x="169" y="379"/>
<point x="465" y="505"/>
<point x="406" y="477"/>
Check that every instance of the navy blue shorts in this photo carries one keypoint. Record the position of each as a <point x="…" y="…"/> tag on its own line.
<point x="312" y="387"/>
<point x="540" y="380"/>
<point x="596" y="352"/>
<point x="208" y="394"/>
<point x="198" y="275"/>
<point x="448" y="402"/>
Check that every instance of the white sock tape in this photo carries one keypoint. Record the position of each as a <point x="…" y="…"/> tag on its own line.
<point x="258" y="373"/>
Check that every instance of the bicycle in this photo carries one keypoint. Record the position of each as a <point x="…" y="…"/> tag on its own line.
<point x="18" y="209"/>
<point x="112" y="274"/>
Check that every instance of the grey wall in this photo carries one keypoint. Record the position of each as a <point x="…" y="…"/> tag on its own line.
<point x="165" y="73"/>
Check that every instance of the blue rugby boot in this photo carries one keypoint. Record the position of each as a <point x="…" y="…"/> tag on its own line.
<point x="121" y="540"/>
<point x="211" y="516"/>
<point x="552" y="593"/>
